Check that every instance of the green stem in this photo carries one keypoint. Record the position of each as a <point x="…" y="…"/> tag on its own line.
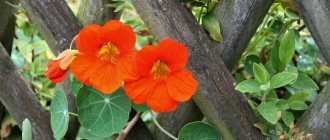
<point x="161" y="128"/>
<point x="73" y="114"/>
<point x="200" y="14"/>
<point x="265" y="95"/>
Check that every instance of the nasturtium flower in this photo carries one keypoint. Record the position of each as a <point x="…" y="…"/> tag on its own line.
<point x="106" y="55"/>
<point x="58" y="67"/>
<point x="163" y="82"/>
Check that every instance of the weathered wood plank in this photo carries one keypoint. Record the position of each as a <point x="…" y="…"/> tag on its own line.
<point x="20" y="100"/>
<point x="96" y="11"/>
<point x="221" y="104"/>
<point x="239" y="19"/>
<point x="238" y="22"/>
<point x="7" y="24"/>
<point x="316" y="120"/>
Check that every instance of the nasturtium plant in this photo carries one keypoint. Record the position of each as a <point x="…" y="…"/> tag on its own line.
<point x="103" y="114"/>
<point x="59" y="114"/>
<point x="140" y="107"/>
<point x="75" y="86"/>
<point x="199" y="131"/>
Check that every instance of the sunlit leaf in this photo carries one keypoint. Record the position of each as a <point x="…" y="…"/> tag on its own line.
<point x="260" y="73"/>
<point x="282" y="79"/>
<point x="250" y="86"/>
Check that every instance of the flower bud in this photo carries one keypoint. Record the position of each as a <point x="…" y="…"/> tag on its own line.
<point x="58" y="67"/>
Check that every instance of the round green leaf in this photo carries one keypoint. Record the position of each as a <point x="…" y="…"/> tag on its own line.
<point x="282" y="79"/>
<point x="103" y="114"/>
<point x="287" y="118"/>
<point x="140" y="107"/>
<point x="199" y="131"/>
<point x="59" y="114"/>
<point x="268" y="111"/>
<point x="298" y="105"/>
<point x="75" y="86"/>
<point x="248" y="86"/>
<point x="27" y="130"/>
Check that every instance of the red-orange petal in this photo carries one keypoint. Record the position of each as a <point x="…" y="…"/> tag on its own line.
<point x="160" y="101"/>
<point x="122" y="36"/>
<point x="112" y="24"/>
<point x="145" y="59"/>
<point x="83" y="66"/>
<point x="181" y="85"/>
<point x="89" y="40"/>
<point x="173" y="53"/>
<point x="106" y="79"/>
<point x="126" y="66"/>
<point x="54" y="72"/>
<point x="139" y="90"/>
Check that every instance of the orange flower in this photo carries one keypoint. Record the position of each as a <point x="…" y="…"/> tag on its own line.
<point x="163" y="82"/>
<point x="58" y="67"/>
<point x="106" y="55"/>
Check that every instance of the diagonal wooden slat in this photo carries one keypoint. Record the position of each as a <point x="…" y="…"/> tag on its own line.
<point x="316" y="16"/>
<point x="238" y="22"/>
<point x="7" y="24"/>
<point x="221" y="104"/>
<point x="20" y="101"/>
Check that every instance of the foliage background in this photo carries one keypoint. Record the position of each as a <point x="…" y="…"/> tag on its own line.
<point x="31" y="54"/>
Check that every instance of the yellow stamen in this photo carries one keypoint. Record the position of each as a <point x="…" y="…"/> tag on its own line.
<point x="108" y="52"/>
<point x="159" y="69"/>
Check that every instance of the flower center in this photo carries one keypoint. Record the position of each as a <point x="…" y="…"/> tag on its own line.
<point x="159" y="69"/>
<point x="108" y="52"/>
